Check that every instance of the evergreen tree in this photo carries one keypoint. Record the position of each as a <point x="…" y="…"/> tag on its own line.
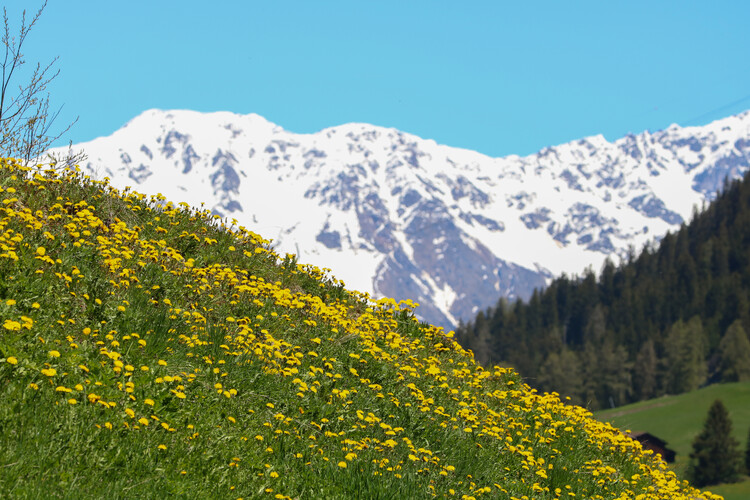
<point x="734" y="354"/>
<point x="614" y="375"/>
<point x="716" y="457"/>
<point x="686" y="362"/>
<point x="590" y="377"/>
<point x="646" y="372"/>
<point x="481" y="344"/>
<point x="560" y="373"/>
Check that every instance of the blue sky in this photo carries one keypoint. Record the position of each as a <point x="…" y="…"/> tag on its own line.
<point x="498" y="77"/>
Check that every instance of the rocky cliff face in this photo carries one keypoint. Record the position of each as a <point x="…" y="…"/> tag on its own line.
<point x="396" y="215"/>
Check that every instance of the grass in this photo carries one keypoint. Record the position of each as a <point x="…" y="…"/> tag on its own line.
<point x="678" y="419"/>
<point x="149" y="350"/>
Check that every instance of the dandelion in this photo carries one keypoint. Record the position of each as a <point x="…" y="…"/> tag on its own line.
<point x="11" y="325"/>
<point x="54" y="354"/>
<point x="12" y="360"/>
<point x="342" y="464"/>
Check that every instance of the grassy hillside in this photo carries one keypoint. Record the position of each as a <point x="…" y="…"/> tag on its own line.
<point x="678" y="419"/>
<point x="151" y="351"/>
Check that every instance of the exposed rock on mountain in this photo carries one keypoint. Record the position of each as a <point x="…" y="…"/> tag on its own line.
<point x="396" y="215"/>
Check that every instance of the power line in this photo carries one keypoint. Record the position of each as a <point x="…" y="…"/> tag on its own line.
<point x="698" y="119"/>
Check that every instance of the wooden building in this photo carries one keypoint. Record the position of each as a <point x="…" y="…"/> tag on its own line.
<point x="650" y="442"/>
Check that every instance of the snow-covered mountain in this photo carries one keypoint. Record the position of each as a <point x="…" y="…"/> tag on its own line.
<point x="396" y="215"/>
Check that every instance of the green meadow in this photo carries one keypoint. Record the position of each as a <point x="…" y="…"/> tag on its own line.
<point x="678" y="419"/>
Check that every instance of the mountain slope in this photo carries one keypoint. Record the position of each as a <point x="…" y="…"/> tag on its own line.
<point x="665" y="321"/>
<point x="396" y="215"/>
<point x="149" y="352"/>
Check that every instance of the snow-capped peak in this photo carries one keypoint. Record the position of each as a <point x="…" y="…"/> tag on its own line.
<point x="396" y="215"/>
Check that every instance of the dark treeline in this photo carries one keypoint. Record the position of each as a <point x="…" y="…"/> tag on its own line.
<point x="666" y="321"/>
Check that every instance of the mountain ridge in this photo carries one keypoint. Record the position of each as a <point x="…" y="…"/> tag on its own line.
<point x="396" y="215"/>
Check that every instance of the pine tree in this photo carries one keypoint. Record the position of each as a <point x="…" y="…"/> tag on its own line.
<point x="560" y="372"/>
<point x="615" y="384"/>
<point x="646" y="372"/>
<point x="716" y="457"/>
<point x="686" y="366"/>
<point x="734" y="354"/>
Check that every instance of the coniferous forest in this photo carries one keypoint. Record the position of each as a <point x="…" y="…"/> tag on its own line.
<point x="665" y="321"/>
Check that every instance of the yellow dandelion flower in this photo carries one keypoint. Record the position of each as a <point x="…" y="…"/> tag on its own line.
<point x="342" y="464"/>
<point x="54" y="354"/>
<point x="12" y="360"/>
<point x="12" y="325"/>
<point x="162" y="446"/>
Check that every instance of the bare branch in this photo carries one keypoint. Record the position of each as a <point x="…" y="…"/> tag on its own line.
<point x="25" y="118"/>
